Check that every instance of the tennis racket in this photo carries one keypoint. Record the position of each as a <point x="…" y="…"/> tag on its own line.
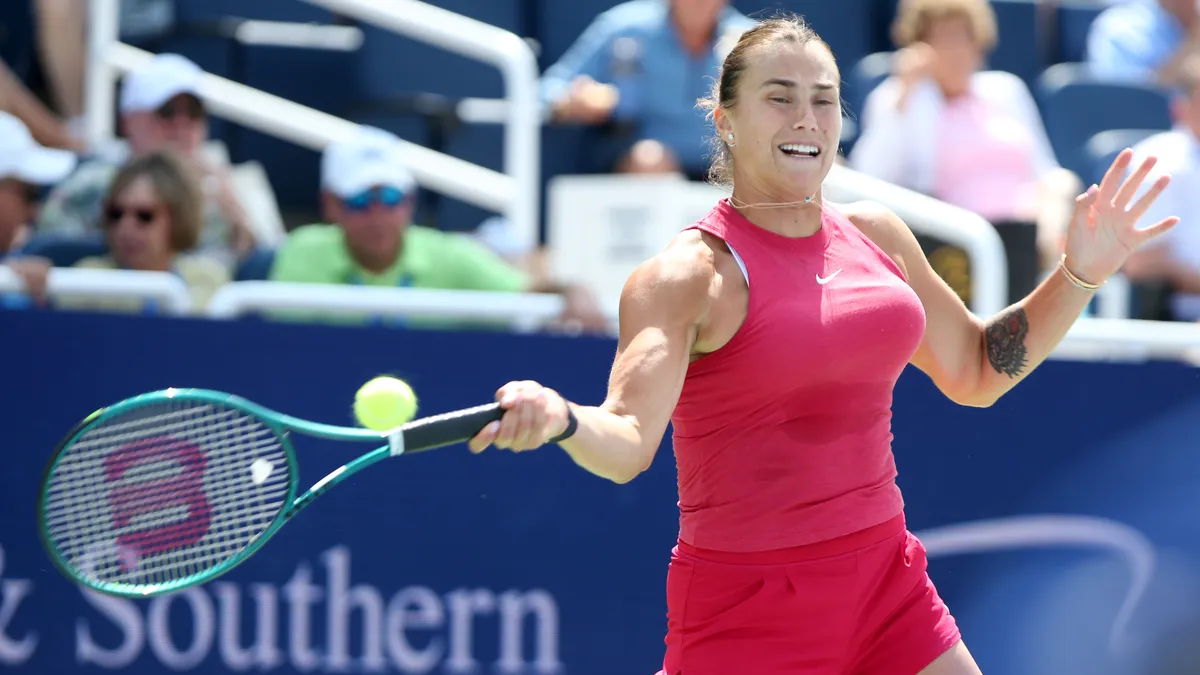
<point x="174" y="488"/>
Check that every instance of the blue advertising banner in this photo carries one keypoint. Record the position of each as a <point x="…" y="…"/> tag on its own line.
<point x="1062" y="523"/>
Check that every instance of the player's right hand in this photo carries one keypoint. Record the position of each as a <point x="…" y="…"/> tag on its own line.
<point x="533" y="415"/>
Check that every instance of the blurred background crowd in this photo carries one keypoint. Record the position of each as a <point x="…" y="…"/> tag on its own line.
<point x="1006" y="108"/>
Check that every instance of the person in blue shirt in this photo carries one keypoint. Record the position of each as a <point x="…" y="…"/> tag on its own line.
<point x="1144" y="41"/>
<point x="638" y="70"/>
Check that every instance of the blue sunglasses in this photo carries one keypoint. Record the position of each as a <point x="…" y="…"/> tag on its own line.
<point x="384" y="196"/>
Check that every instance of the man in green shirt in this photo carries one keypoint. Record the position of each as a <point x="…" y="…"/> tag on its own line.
<point x="368" y="197"/>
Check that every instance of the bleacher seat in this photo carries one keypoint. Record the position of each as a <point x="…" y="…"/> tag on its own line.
<point x="64" y="251"/>
<point x="563" y="152"/>
<point x="387" y="65"/>
<point x="1074" y="21"/>
<point x="1104" y="147"/>
<point x="847" y="25"/>
<point x="17" y="37"/>
<point x="290" y="73"/>
<point x="391" y="64"/>
<point x="862" y="78"/>
<point x="478" y="144"/>
<point x="199" y="35"/>
<point x="559" y="23"/>
<point x="392" y="67"/>
<point x="884" y="12"/>
<point x="1075" y="106"/>
<point x="271" y="69"/>
<point x="256" y="266"/>
<point x="1019" y="48"/>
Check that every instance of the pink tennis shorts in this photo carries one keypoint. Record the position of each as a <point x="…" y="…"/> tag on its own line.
<point x="858" y="605"/>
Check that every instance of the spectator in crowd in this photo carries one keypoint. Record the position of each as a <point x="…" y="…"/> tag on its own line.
<point x="152" y="216"/>
<point x="1174" y="258"/>
<point x="1144" y="40"/>
<point x="25" y="168"/>
<point x="368" y="196"/>
<point x="161" y="109"/>
<point x="973" y="138"/>
<point x="639" y="69"/>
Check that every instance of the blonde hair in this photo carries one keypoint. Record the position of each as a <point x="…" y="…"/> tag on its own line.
<point x="177" y="188"/>
<point x="786" y="27"/>
<point x="915" y="18"/>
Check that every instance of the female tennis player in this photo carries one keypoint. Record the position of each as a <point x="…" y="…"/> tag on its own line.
<point x="771" y="333"/>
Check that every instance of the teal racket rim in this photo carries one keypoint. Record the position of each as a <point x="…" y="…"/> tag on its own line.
<point x="118" y="492"/>
<point x="279" y="425"/>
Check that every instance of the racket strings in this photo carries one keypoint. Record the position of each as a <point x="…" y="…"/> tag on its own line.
<point x="229" y="431"/>
<point x="164" y="492"/>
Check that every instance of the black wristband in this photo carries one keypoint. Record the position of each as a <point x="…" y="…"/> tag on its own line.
<point x="572" y="427"/>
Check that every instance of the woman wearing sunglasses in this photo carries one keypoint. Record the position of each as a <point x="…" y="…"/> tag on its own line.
<point x="152" y="214"/>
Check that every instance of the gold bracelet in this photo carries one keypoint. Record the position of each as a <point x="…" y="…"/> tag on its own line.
<point x="1079" y="283"/>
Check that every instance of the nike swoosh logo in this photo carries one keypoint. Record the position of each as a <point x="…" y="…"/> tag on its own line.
<point x="827" y="279"/>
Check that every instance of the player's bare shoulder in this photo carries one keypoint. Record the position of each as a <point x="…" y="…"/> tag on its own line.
<point x="874" y="220"/>
<point x="678" y="280"/>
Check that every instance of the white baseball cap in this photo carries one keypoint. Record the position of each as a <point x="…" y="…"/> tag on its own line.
<point x="159" y="81"/>
<point x="371" y="157"/>
<point x="25" y="159"/>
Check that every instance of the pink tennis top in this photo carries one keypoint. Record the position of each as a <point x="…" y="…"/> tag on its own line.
<point x="783" y="436"/>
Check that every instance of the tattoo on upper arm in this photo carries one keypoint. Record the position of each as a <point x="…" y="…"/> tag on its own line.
<point x="1005" y="342"/>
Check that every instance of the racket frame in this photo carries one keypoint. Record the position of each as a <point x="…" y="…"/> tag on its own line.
<point x="281" y="425"/>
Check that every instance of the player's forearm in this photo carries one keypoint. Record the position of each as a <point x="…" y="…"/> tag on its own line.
<point x="609" y="445"/>
<point x="1021" y="337"/>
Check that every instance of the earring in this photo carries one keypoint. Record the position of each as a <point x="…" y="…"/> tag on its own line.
<point x="730" y="138"/>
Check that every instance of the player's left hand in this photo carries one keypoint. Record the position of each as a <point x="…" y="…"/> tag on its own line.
<point x="1103" y="229"/>
<point x="533" y="415"/>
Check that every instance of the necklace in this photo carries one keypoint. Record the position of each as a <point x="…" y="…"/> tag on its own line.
<point x="771" y="205"/>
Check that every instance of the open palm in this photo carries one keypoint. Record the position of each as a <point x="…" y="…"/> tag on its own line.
<point x="1103" y="230"/>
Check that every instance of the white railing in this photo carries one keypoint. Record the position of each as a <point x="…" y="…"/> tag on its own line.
<point x="108" y="284"/>
<point x="1130" y="340"/>
<point x="515" y="193"/>
<point x="1090" y="339"/>
<point x="526" y="310"/>
<point x="928" y="216"/>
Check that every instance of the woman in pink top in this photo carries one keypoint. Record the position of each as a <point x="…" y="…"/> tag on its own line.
<point x="771" y="333"/>
<point x="943" y="126"/>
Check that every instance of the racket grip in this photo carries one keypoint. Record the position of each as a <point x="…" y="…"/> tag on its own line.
<point x="448" y="428"/>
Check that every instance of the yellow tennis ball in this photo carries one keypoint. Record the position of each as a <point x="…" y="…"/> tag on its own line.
<point x="384" y="403"/>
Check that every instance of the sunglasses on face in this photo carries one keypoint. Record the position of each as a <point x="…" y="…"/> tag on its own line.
<point x="143" y="216"/>
<point x="187" y="107"/>
<point x="384" y="196"/>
